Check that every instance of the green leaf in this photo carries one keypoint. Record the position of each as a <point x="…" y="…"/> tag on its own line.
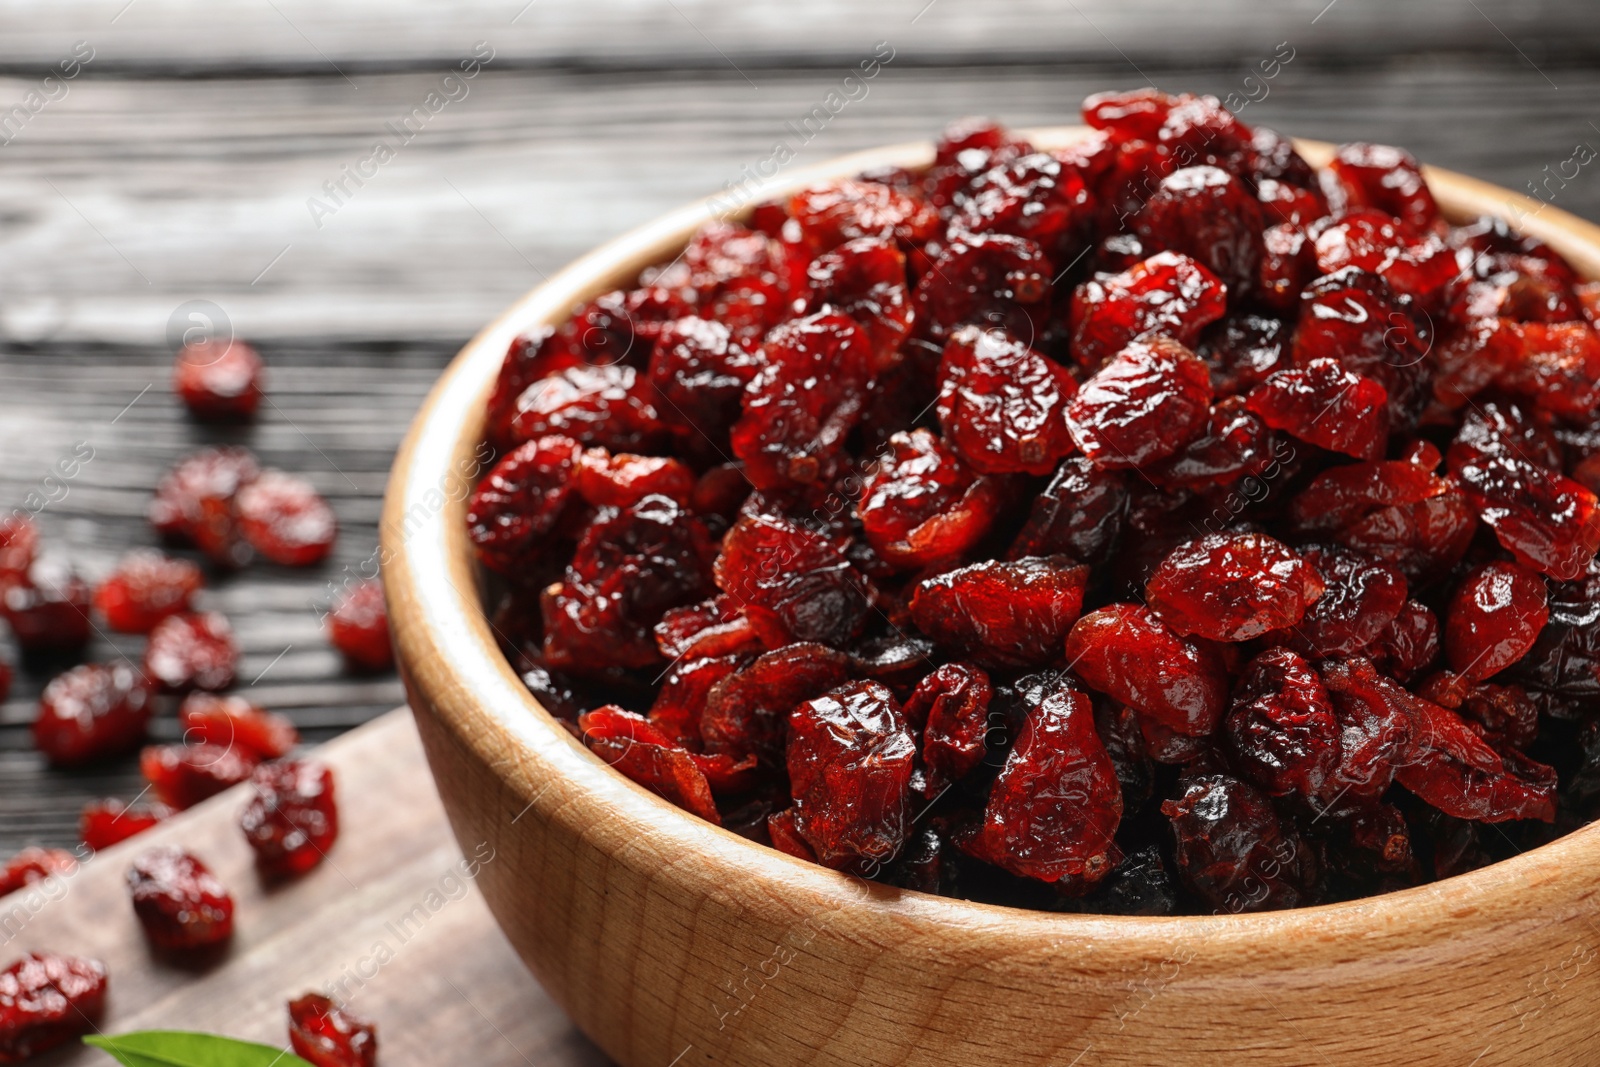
<point x="180" y="1048"/>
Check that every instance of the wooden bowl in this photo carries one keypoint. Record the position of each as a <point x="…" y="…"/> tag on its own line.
<point x="672" y="942"/>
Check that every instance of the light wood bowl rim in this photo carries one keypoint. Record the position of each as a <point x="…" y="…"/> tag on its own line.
<point x="453" y="666"/>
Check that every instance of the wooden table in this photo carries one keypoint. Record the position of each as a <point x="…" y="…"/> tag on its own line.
<point x="390" y="922"/>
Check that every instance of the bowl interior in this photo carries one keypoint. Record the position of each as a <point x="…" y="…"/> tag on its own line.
<point x="452" y="661"/>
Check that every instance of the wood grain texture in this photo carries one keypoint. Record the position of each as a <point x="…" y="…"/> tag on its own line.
<point x="336" y="416"/>
<point x="672" y="941"/>
<point x="308" y="36"/>
<point x="390" y="921"/>
<point x="134" y="194"/>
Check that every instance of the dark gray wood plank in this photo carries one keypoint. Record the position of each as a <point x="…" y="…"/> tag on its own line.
<point x="336" y="416"/>
<point x="131" y="196"/>
<point x="308" y="36"/>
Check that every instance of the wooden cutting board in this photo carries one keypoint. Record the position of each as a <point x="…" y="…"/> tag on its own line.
<point x="390" y="919"/>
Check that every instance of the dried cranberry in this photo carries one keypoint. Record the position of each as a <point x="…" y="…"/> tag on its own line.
<point x="866" y="280"/>
<point x="1340" y="496"/>
<point x="106" y="822"/>
<point x="286" y="520"/>
<point x="850" y="760"/>
<point x="1126" y="652"/>
<point x="681" y="700"/>
<point x="1207" y="214"/>
<point x="184" y="775"/>
<point x="327" y="1035"/>
<point x="746" y="712"/>
<point x="35" y="865"/>
<point x="358" y="626"/>
<point x="48" y="608"/>
<point x="831" y="215"/>
<point x="644" y="754"/>
<point x="47" y="1000"/>
<point x="1232" y="587"/>
<point x="1410" y="644"/>
<point x="1450" y="767"/>
<point x="700" y="371"/>
<point x="793" y="584"/>
<point x="616" y="480"/>
<point x="803" y="402"/>
<point x="1144" y="405"/>
<point x="92" y="712"/>
<point x="1360" y="599"/>
<point x="218" y="380"/>
<point x="232" y="720"/>
<point x="19" y="544"/>
<point x="1495" y="617"/>
<point x="1557" y="367"/>
<point x="1080" y="514"/>
<point x="194" y="501"/>
<point x="1012" y="614"/>
<point x="1383" y="177"/>
<point x="182" y="906"/>
<point x="921" y="506"/>
<point x="291" y="820"/>
<point x="1000" y="403"/>
<point x="1327" y="406"/>
<point x="1233" y="445"/>
<point x="1055" y="807"/>
<point x="949" y="708"/>
<point x="1282" y="731"/>
<point x="1375" y="241"/>
<point x="715" y="627"/>
<point x="1547" y="520"/>
<point x="518" y="503"/>
<point x="145" y="588"/>
<point x="1234" y="851"/>
<point x="1374" y="732"/>
<point x="1354" y="317"/>
<point x="1168" y="294"/>
<point x="612" y="406"/>
<point x="192" y="651"/>
<point x="1034" y="196"/>
<point x="981" y="281"/>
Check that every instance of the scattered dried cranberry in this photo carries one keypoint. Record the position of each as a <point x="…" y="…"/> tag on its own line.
<point x="1168" y="294"/>
<point x="48" y="608"/>
<point x="921" y="506"/>
<point x="949" y="708"/>
<point x="793" y="584"/>
<point x="358" y="626"/>
<point x="183" y="908"/>
<point x="1234" y="851"/>
<point x="1144" y="405"/>
<point x="106" y="822"/>
<point x="192" y="651"/>
<point x="286" y="520"/>
<point x="518" y="504"/>
<point x="326" y="1035"/>
<point x="146" y="588"/>
<point x="92" y="712"/>
<point x="291" y="820"/>
<point x="19" y="544"/>
<point x="232" y="720"/>
<point x="35" y="865"/>
<point x="1495" y="617"/>
<point x="1324" y="405"/>
<point x="1232" y="587"/>
<point x="1000" y="403"/>
<point x="194" y="502"/>
<point x="1013" y="614"/>
<point x="184" y="775"/>
<point x="47" y="1000"/>
<point x="218" y="380"/>
<point x="1126" y="652"/>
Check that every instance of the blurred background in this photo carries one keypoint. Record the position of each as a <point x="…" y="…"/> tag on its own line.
<point x="169" y="163"/>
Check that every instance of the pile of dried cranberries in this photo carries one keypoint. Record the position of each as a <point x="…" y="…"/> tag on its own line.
<point x="1151" y="525"/>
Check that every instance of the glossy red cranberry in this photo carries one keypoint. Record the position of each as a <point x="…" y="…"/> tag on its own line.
<point x="921" y="505"/>
<point x="830" y="215"/>
<point x="615" y="480"/>
<point x="1494" y="618"/>
<point x="1282" y="731"/>
<point x="291" y="820"/>
<point x="182" y="906"/>
<point x="327" y="1035"/>
<point x="194" y="502"/>
<point x="1126" y="652"/>
<point x="92" y="712"/>
<point x="1327" y="406"/>
<point x="1001" y="403"/>
<point x="47" y="1000"/>
<point x="286" y="520"/>
<point x="1002" y="615"/>
<point x="209" y="719"/>
<point x="1209" y="215"/>
<point x="1387" y="178"/>
<point x="358" y="626"/>
<point x="794" y="584"/>
<point x="218" y="381"/>
<point x="106" y="822"/>
<point x="949" y="709"/>
<point x="1057" y="754"/>
<point x="48" y="608"/>
<point x="146" y="588"/>
<point x="184" y="775"/>
<point x="610" y="405"/>
<point x="192" y="651"/>
<point x="1234" y="851"/>
<point x="19" y="544"/>
<point x="1375" y="241"/>
<point x="989" y="281"/>
<point x="519" y="503"/>
<point x="699" y="371"/>
<point x="1169" y="293"/>
<point x="35" y="865"/>
<point x="866" y="280"/>
<point x="746" y="713"/>
<point x="1232" y="587"/>
<point x="1144" y="405"/>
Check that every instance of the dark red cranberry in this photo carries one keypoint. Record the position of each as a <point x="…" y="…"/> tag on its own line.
<point x="48" y="608"/>
<point x="92" y="712"/>
<point x="47" y="1000"/>
<point x="182" y="906"/>
<point x="218" y="381"/>
<point x="286" y="520"/>
<point x="107" y="822"/>
<point x="232" y="720"/>
<point x="192" y="651"/>
<point x="35" y="865"/>
<point x="146" y="588"/>
<point x="327" y="1035"/>
<point x="291" y="820"/>
<point x="194" y="502"/>
<point x="184" y="775"/>
<point x="358" y="626"/>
